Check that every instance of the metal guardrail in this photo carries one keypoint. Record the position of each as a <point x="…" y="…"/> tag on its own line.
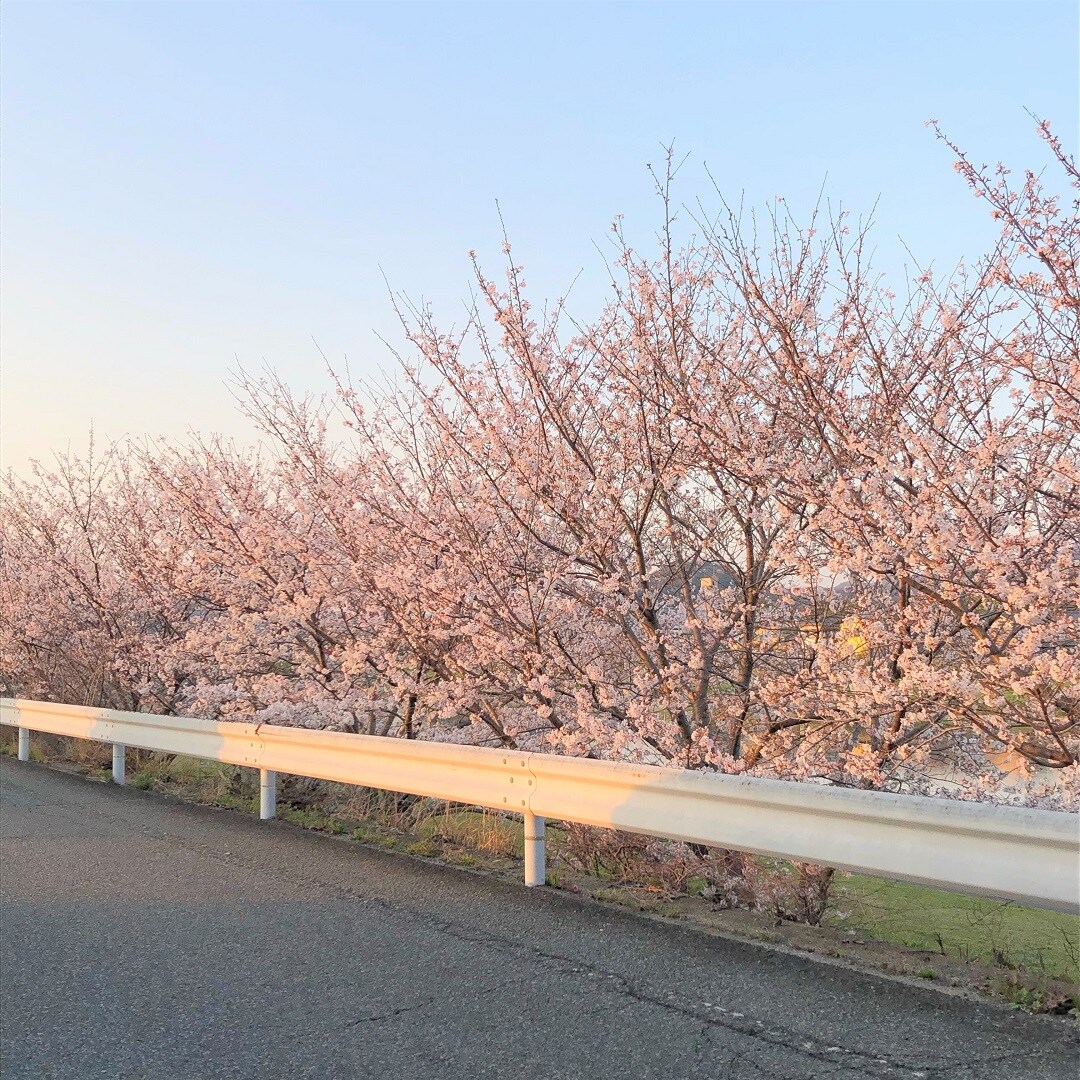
<point x="1032" y="856"/>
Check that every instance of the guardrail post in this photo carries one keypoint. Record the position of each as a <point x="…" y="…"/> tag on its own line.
<point x="267" y="794"/>
<point x="118" y="763"/>
<point x="535" y="869"/>
<point x="24" y="744"/>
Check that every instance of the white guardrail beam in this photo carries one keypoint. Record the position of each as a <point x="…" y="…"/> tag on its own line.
<point x="1017" y="853"/>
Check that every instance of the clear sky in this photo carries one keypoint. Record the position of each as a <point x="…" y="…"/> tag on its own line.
<point x="188" y="186"/>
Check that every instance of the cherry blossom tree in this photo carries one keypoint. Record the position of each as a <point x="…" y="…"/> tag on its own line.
<point x="760" y="514"/>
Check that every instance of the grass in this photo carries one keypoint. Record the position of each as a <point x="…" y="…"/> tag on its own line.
<point x="183" y="769"/>
<point x="483" y="831"/>
<point x="309" y="818"/>
<point x="9" y="744"/>
<point x="992" y="931"/>
<point x="696" y="886"/>
<point x="377" y="838"/>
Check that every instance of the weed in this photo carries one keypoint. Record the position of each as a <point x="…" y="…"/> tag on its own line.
<point x="308" y="818"/>
<point x="237" y="802"/>
<point x="1070" y="946"/>
<point x="926" y="973"/>
<point x="1034" y="994"/>
<point x="375" y="837"/>
<point x="460" y="858"/>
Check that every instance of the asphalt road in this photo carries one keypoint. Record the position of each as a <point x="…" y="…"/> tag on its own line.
<point x="144" y="938"/>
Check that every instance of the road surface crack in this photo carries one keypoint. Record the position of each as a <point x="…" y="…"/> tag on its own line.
<point x="391" y="1015"/>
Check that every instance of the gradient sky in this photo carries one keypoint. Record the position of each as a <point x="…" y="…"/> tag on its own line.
<point x="189" y="186"/>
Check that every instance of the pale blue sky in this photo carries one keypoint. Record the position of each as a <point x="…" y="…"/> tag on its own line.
<point x="190" y="185"/>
